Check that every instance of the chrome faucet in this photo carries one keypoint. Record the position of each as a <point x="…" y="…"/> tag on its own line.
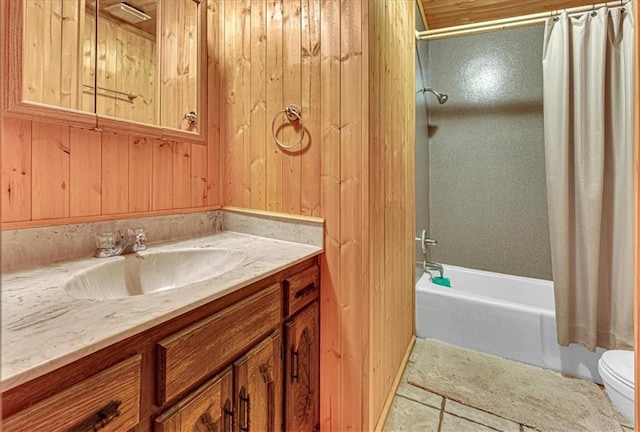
<point x="135" y="241"/>
<point x="427" y="265"/>
<point x="430" y="265"/>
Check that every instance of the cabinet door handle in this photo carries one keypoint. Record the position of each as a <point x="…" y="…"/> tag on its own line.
<point x="306" y="290"/>
<point x="100" y="419"/>
<point x="245" y="410"/>
<point x="295" y="366"/>
<point x="228" y="417"/>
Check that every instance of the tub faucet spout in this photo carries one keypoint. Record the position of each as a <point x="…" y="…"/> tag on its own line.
<point x="430" y="265"/>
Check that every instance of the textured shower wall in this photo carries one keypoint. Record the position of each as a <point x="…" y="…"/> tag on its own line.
<point x="422" y="139"/>
<point x="487" y="178"/>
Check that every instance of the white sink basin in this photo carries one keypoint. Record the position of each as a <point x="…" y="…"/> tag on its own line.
<point x="150" y="272"/>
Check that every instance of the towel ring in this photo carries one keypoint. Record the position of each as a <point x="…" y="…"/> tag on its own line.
<point x="293" y="115"/>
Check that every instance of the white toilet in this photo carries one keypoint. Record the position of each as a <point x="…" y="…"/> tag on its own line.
<point x="616" y="369"/>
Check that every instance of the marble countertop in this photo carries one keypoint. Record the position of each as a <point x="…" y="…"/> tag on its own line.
<point x="44" y="328"/>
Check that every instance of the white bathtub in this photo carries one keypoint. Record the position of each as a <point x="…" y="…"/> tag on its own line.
<point x="508" y="316"/>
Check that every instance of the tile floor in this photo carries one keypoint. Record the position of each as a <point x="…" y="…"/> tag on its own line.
<point x="415" y="409"/>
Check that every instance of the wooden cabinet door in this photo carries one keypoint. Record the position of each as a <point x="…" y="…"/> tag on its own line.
<point x="302" y="370"/>
<point x="208" y="409"/>
<point x="258" y="389"/>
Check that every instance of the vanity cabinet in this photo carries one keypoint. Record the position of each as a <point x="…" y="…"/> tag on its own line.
<point x="258" y="383"/>
<point x="247" y="361"/>
<point x="209" y="408"/>
<point x="107" y="401"/>
<point x="302" y="355"/>
<point x="302" y="370"/>
<point x="256" y="404"/>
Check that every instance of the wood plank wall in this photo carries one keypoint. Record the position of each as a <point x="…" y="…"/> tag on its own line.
<point x="53" y="174"/>
<point x="353" y="162"/>
<point x="392" y="191"/>
<point x="126" y="63"/>
<point x="52" y="34"/>
<point x="308" y="53"/>
<point x="60" y="38"/>
<point x="447" y="13"/>
<point x="179" y="66"/>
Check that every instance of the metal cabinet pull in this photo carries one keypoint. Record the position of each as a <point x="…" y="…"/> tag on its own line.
<point x="100" y="419"/>
<point x="245" y="408"/>
<point x="305" y="291"/>
<point x="295" y="366"/>
<point x="228" y="417"/>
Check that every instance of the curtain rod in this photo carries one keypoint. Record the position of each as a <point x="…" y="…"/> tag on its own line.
<point x="507" y="23"/>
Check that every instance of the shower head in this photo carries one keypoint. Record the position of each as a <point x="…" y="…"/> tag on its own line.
<point x="442" y="98"/>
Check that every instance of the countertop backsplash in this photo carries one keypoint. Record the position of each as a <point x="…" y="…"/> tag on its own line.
<point x="35" y="247"/>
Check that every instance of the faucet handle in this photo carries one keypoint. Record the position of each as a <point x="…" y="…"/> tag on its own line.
<point x="139" y="236"/>
<point x="105" y="240"/>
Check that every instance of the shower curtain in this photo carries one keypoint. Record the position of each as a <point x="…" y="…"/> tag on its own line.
<point x="588" y="122"/>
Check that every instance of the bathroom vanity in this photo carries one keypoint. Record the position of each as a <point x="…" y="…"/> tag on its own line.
<point x="237" y="352"/>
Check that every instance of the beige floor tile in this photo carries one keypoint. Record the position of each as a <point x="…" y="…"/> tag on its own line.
<point x="481" y="417"/>
<point x="451" y="423"/>
<point x="407" y="415"/>
<point x="528" y="429"/>
<point x="416" y="393"/>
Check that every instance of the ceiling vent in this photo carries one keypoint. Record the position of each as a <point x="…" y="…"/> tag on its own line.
<point x="127" y="13"/>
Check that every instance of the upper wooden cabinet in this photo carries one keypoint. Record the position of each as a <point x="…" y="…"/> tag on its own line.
<point x="137" y="66"/>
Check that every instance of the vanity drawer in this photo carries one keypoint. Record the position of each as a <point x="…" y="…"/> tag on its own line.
<point x="109" y="401"/>
<point x="301" y="289"/>
<point x="194" y="353"/>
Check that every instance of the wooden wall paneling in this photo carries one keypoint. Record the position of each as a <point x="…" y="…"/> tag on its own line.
<point x="310" y="166"/>
<point x="258" y="120"/>
<point x="162" y="175"/>
<point x="392" y="203"/>
<point x="331" y="403"/>
<point x="115" y="173"/>
<point x="147" y="101"/>
<point x="237" y="134"/>
<point x="107" y="67"/>
<point x="169" y="51"/>
<point x="243" y="107"/>
<point x="125" y="54"/>
<point x="275" y="102"/>
<point x="376" y="192"/>
<point x="178" y="77"/>
<point x="445" y="13"/>
<point x="410" y="163"/>
<point x="391" y="192"/>
<point x="353" y="286"/>
<point x="15" y="163"/>
<point x="140" y="173"/>
<point x="85" y="178"/>
<point x="365" y="236"/>
<point x="215" y="58"/>
<point x="198" y="176"/>
<point x="291" y="94"/>
<point x="50" y="170"/>
<point x="52" y="51"/>
<point x="89" y="52"/>
<point x="70" y="57"/>
<point x="181" y="175"/>
<point x="34" y="41"/>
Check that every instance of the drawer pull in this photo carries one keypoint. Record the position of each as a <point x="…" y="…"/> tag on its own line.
<point x="228" y="416"/>
<point x="245" y="408"/>
<point x="100" y="419"/>
<point x="305" y="291"/>
<point x="295" y="366"/>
